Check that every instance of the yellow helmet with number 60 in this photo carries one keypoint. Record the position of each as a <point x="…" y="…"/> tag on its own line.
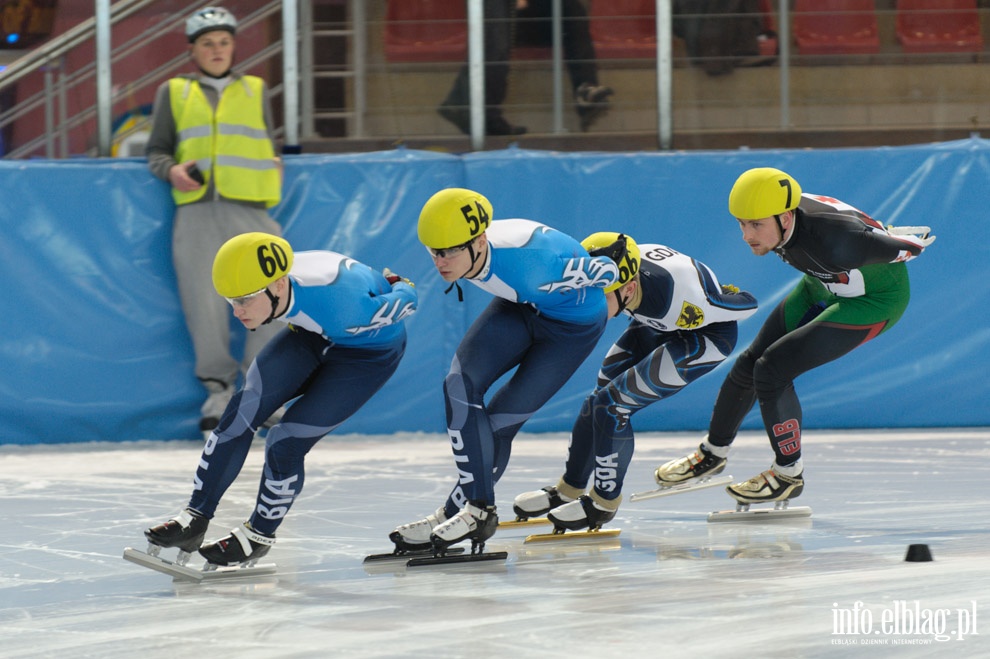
<point x="763" y="192"/>
<point x="250" y="262"/>
<point x="620" y="248"/>
<point x="452" y="217"/>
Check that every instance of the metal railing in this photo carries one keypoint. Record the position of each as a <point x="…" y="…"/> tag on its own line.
<point x="57" y="82"/>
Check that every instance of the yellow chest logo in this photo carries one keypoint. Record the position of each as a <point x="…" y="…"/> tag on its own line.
<point x="691" y="316"/>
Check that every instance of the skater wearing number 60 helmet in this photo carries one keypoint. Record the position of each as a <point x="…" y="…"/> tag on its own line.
<point x="344" y="338"/>
<point x="855" y="287"/>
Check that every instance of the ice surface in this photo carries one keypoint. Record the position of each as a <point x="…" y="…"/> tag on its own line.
<point x="671" y="585"/>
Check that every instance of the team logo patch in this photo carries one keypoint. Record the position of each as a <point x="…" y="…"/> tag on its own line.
<point x="691" y="316"/>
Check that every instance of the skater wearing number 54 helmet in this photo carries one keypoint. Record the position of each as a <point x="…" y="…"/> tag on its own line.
<point x="855" y="287"/>
<point x="547" y="314"/>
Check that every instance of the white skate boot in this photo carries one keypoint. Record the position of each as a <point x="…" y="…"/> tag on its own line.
<point x="539" y="502"/>
<point x="415" y="536"/>
<point x="474" y="522"/>
<point x="585" y="513"/>
<point x="699" y="464"/>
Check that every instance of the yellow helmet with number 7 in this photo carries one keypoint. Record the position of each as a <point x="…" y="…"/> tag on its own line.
<point x="620" y="248"/>
<point x="453" y="217"/>
<point x="250" y="262"/>
<point x="763" y="192"/>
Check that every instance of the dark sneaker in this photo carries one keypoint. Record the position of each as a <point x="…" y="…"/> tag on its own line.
<point x="591" y="102"/>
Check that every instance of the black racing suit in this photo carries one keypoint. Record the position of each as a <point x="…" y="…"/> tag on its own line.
<point x="855" y="287"/>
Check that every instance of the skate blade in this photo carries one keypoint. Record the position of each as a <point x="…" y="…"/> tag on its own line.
<point x="574" y="535"/>
<point x="196" y="575"/>
<point x="743" y="513"/>
<point x="381" y="558"/>
<point x="463" y="558"/>
<point x="680" y="488"/>
<point x="516" y="523"/>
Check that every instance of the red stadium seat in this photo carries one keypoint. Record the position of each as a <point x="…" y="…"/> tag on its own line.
<point x="835" y="27"/>
<point x="425" y="31"/>
<point x="624" y="29"/>
<point x="939" y="26"/>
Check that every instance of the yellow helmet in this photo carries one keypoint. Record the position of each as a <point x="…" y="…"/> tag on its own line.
<point x="453" y="217"/>
<point x="763" y="192"/>
<point x="249" y="262"/>
<point x="620" y="248"/>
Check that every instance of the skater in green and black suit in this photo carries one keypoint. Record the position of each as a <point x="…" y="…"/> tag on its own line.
<point x="855" y="287"/>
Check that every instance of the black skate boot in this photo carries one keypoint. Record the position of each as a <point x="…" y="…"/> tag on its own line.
<point x="770" y="486"/>
<point x="584" y="513"/>
<point x="701" y="463"/>
<point x="243" y="545"/>
<point x="475" y="522"/>
<point x="537" y="503"/>
<point x="185" y="531"/>
<point x="415" y="536"/>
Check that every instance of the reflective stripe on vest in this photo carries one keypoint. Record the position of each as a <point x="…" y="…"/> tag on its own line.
<point x="230" y="145"/>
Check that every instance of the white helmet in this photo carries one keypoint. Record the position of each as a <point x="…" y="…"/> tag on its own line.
<point x="209" y="19"/>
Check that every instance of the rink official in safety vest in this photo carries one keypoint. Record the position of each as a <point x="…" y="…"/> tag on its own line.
<point x="211" y="140"/>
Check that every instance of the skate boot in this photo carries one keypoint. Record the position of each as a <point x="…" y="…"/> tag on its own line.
<point x="415" y="536"/>
<point x="770" y="486"/>
<point x="243" y="545"/>
<point x="539" y="502"/>
<point x="696" y="465"/>
<point x="584" y="513"/>
<point x="475" y="522"/>
<point x="185" y="531"/>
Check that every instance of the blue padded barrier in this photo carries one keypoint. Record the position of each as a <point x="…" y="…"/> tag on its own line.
<point x="94" y="347"/>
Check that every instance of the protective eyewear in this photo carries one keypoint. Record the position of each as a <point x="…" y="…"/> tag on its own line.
<point x="244" y="300"/>
<point x="449" y="252"/>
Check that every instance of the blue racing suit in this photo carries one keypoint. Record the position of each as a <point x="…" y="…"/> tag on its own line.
<point x="548" y="313"/>
<point x="344" y="339"/>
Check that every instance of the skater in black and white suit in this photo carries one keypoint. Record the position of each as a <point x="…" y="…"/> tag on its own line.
<point x="684" y="324"/>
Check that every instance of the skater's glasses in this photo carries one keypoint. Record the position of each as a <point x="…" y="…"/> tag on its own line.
<point x="244" y="300"/>
<point x="449" y="252"/>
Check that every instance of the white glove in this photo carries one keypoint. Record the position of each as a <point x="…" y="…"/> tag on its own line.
<point x="922" y="233"/>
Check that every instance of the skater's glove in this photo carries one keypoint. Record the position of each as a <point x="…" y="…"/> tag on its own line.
<point x="393" y="278"/>
<point x="922" y="233"/>
<point x="729" y="289"/>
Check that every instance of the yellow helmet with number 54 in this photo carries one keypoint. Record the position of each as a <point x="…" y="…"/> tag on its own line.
<point x="453" y="217"/>
<point x="250" y="262"/>
<point x="763" y="192"/>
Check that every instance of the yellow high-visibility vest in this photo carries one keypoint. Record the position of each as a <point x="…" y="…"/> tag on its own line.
<point x="230" y="145"/>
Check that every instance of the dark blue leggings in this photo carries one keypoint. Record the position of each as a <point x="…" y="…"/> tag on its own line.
<point x="333" y="383"/>
<point x="643" y="366"/>
<point x="507" y="335"/>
